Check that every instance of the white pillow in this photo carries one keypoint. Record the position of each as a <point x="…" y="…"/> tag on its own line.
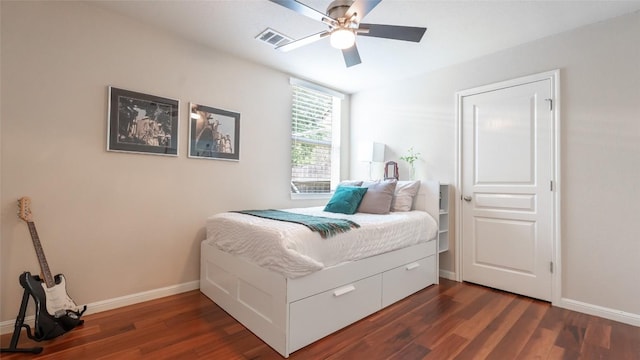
<point x="350" y="183"/>
<point x="404" y="194"/>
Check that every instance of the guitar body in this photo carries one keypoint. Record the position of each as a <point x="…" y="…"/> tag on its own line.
<point x="48" y="326"/>
<point x="58" y="301"/>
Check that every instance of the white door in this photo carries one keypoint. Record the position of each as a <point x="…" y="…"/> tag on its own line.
<point x="506" y="185"/>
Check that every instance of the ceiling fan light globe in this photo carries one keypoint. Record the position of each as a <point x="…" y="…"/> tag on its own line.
<point x="342" y="38"/>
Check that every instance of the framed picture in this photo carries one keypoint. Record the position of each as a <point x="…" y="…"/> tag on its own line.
<point x="142" y="123"/>
<point x="213" y="133"/>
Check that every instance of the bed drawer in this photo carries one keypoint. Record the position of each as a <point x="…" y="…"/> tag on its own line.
<point x="404" y="280"/>
<point x="319" y="315"/>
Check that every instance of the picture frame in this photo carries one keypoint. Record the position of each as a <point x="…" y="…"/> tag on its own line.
<point x="213" y="133"/>
<point x="142" y="123"/>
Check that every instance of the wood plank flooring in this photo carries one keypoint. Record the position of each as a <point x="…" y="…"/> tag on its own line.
<point x="447" y="321"/>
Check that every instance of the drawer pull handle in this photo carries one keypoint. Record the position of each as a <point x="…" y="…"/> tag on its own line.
<point x="344" y="290"/>
<point x="412" y="266"/>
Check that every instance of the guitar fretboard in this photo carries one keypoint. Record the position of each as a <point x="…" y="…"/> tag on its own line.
<point x="44" y="266"/>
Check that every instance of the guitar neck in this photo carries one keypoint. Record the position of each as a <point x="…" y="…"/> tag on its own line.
<point x="44" y="266"/>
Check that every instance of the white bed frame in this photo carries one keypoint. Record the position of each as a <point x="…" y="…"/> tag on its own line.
<point x="289" y="314"/>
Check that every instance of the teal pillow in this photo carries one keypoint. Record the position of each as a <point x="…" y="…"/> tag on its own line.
<point x="345" y="200"/>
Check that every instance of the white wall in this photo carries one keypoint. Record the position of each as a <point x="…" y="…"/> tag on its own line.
<point x="118" y="223"/>
<point x="600" y="145"/>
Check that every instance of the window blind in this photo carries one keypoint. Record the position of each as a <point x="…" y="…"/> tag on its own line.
<point x="311" y="140"/>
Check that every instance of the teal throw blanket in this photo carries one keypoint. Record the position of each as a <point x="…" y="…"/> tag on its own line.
<point x="327" y="227"/>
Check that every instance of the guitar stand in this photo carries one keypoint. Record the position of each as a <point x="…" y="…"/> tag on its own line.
<point x="13" y="347"/>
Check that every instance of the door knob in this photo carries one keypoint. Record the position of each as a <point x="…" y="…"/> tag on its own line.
<point x="467" y="198"/>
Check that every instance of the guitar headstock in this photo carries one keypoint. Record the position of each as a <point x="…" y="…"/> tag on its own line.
<point x="24" y="211"/>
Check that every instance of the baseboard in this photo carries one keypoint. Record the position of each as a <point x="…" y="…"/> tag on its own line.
<point x="7" y="327"/>
<point x="448" y="274"/>
<point x="595" y="310"/>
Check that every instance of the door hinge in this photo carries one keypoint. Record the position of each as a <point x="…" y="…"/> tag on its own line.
<point x="550" y="104"/>
<point x="550" y="185"/>
<point x="551" y="267"/>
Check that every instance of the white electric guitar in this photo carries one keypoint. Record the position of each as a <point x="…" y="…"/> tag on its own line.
<point x="58" y="303"/>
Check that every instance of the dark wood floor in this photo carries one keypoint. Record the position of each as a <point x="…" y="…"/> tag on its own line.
<point x="447" y="321"/>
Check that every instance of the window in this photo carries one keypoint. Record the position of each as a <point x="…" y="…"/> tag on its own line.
<point x="315" y="138"/>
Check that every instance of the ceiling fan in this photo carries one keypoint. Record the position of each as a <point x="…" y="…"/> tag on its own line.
<point x="343" y="18"/>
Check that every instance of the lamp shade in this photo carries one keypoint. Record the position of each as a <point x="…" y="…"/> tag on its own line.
<point x="371" y="152"/>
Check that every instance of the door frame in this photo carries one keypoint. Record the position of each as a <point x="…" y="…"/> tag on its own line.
<point x="554" y="77"/>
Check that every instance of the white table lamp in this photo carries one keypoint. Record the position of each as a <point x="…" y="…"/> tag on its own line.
<point x="371" y="152"/>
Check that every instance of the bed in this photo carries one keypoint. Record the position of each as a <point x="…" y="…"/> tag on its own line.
<point x="289" y="310"/>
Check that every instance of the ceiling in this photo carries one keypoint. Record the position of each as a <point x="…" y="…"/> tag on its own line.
<point x="457" y="31"/>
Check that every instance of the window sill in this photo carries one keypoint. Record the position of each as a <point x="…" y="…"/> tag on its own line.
<point x="310" y="196"/>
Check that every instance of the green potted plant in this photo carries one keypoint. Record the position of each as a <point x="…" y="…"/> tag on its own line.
<point x="411" y="158"/>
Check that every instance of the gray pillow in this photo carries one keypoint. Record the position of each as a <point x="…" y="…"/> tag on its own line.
<point x="377" y="199"/>
<point x="404" y="194"/>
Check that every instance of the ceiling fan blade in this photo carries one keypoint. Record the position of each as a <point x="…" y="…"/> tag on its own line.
<point x="406" y="33"/>
<point x="306" y="11"/>
<point x="351" y="56"/>
<point x="361" y="8"/>
<point x="304" y="41"/>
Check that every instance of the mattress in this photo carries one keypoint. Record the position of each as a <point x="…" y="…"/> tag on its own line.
<point x="293" y="250"/>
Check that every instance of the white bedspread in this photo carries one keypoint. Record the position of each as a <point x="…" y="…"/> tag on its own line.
<point x="293" y="250"/>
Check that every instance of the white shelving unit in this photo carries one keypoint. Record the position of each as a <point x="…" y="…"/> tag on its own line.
<point x="443" y="221"/>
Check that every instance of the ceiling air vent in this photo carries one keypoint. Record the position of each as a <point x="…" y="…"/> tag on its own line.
<point x="273" y="37"/>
